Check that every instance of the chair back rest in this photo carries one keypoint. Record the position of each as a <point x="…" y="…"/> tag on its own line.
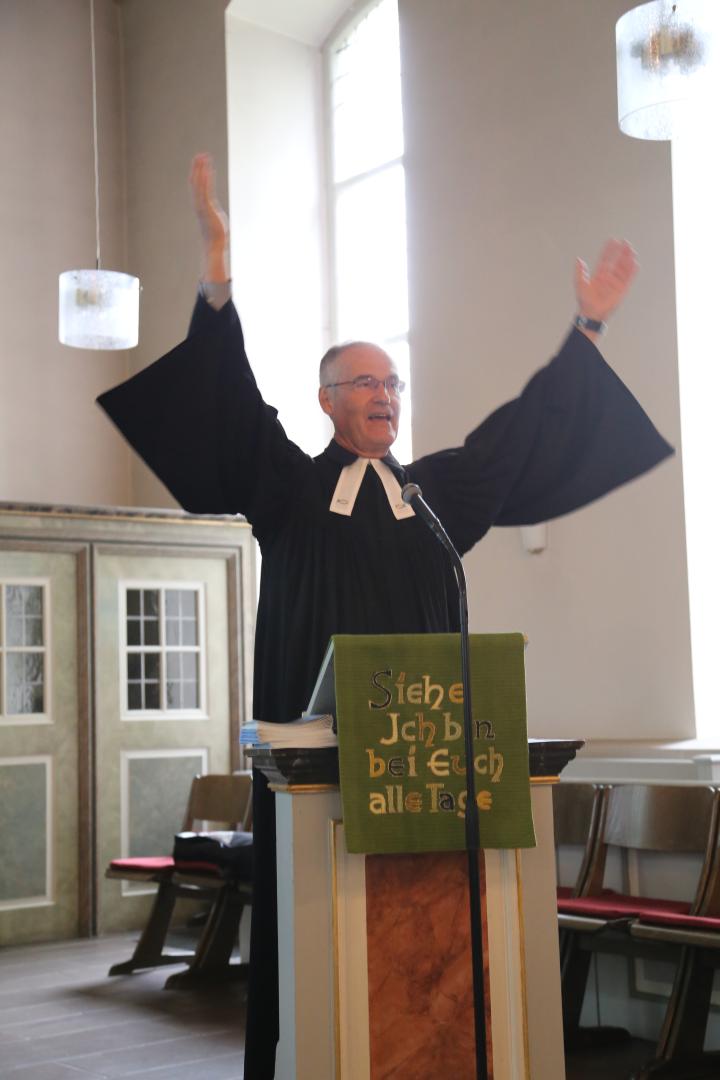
<point x="575" y="807"/>
<point x="578" y="811"/>
<point x="220" y="800"/>
<point x="657" y="817"/>
<point x="669" y="819"/>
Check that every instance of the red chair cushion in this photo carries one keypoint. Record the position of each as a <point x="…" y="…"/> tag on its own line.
<point x="564" y="892"/>
<point x="191" y="866"/>
<point x="612" y="905"/>
<point x="686" y="922"/>
<point x="146" y="864"/>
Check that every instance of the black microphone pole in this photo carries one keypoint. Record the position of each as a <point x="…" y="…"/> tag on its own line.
<point x="412" y="495"/>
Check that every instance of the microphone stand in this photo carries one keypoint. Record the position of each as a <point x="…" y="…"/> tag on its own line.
<point x="412" y="495"/>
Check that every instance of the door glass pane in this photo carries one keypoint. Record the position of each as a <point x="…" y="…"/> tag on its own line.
<point x="24" y="614"/>
<point x="25" y="683"/>
<point x="160" y="657"/>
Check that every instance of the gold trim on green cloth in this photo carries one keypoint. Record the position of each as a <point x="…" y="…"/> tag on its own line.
<point x="402" y="761"/>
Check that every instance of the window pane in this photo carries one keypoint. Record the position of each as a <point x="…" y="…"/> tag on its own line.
<point x="133" y="632"/>
<point x="151" y="631"/>
<point x="134" y="665"/>
<point x="151" y="601"/>
<point x="23" y="614"/>
<point x="25" y="678"/>
<point x="152" y="666"/>
<point x="152" y="695"/>
<point x="189" y="632"/>
<point x="174" y="695"/>
<point x="32" y="597"/>
<point x="172" y="631"/>
<point x="172" y="602"/>
<point x="13" y="600"/>
<point x="189" y="666"/>
<point x="189" y="695"/>
<point x="172" y="662"/>
<point x="15" y="629"/>
<point x="371" y="258"/>
<point x="366" y="94"/>
<point x="134" y="695"/>
<point x="188" y="604"/>
<point x="402" y="447"/>
<point x="133" y="601"/>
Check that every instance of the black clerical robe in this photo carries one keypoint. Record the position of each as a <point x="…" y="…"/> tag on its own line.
<point x="198" y="420"/>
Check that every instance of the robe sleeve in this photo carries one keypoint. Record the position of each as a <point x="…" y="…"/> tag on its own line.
<point x="198" y="420"/>
<point x="574" y="434"/>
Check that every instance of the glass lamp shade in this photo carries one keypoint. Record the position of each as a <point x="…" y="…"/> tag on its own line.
<point x="668" y="57"/>
<point x="99" y="309"/>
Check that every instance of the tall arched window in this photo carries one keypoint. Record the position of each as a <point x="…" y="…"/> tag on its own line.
<point x="696" y="183"/>
<point x="367" y="198"/>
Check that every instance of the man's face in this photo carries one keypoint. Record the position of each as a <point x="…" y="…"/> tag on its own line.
<point x="365" y="420"/>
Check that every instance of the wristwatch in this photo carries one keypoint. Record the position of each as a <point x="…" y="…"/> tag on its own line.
<point x="596" y="326"/>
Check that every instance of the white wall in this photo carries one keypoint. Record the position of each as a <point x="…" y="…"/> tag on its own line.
<point x="514" y="166"/>
<point x="175" y="92"/>
<point x="55" y="446"/>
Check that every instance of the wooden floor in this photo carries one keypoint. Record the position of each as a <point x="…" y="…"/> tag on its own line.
<point x="62" y="1018"/>
<point x="609" y="1063"/>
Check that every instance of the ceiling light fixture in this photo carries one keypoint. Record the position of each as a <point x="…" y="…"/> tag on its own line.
<point x="98" y="309"/>
<point x="668" y="67"/>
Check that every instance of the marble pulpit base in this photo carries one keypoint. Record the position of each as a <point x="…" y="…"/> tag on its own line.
<point x="375" y="976"/>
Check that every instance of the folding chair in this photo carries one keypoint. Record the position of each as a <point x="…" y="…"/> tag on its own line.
<point x="578" y="812"/>
<point x="222" y="800"/>
<point x="578" y="817"/>
<point x="680" y="1051"/>
<point x="640" y="818"/>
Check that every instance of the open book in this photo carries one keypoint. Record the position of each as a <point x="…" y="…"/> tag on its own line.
<point x="311" y="730"/>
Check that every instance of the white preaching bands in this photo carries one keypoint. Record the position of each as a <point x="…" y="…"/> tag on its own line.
<point x="351" y="478"/>
<point x="217" y="294"/>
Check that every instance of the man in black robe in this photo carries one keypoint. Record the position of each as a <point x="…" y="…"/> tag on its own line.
<point x="341" y="551"/>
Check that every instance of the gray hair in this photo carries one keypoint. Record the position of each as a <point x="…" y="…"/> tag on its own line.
<point x="335" y="352"/>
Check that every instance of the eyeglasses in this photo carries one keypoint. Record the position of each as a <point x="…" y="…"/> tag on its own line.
<point x="392" y="384"/>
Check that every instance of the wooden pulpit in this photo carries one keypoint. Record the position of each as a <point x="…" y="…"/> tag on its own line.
<point x="375" y="974"/>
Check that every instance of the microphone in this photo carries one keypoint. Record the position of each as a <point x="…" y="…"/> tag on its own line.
<point x="412" y="495"/>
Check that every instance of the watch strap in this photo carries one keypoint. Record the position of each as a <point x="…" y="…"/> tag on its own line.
<point x="595" y="326"/>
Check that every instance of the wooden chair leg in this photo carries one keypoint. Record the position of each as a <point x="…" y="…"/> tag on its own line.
<point x="149" y="949"/>
<point x="575" y="969"/>
<point x="680" y="1047"/>
<point x="211" y="961"/>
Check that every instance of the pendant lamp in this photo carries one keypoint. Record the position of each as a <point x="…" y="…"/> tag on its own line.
<point x="668" y="67"/>
<point x="98" y="309"/>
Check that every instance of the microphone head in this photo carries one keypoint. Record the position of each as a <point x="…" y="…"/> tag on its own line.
<point x="410" y="492"/>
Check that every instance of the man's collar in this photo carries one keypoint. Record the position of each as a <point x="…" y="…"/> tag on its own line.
<point x="341" y="456"/>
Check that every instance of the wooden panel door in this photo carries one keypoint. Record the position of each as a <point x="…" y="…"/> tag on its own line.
<point x="166" y="701"/>
<point x="44" y="855"/>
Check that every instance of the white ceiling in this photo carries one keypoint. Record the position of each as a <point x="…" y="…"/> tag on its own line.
<point x="309" y="21"/>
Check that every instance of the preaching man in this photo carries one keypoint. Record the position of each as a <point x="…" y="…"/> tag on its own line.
<point x="341" y="552"/>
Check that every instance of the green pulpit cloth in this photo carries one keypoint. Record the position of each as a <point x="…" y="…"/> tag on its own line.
<point x="402" y="761"/>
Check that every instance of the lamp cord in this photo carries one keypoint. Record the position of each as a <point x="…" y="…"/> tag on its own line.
<point x="95" y="136"/>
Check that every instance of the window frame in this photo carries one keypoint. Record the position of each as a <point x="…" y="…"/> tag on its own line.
<point x="124" y="650"/>
<point x="26" y="719"/>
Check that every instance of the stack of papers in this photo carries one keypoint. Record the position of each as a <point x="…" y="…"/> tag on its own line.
<point x="311" y="730"/>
